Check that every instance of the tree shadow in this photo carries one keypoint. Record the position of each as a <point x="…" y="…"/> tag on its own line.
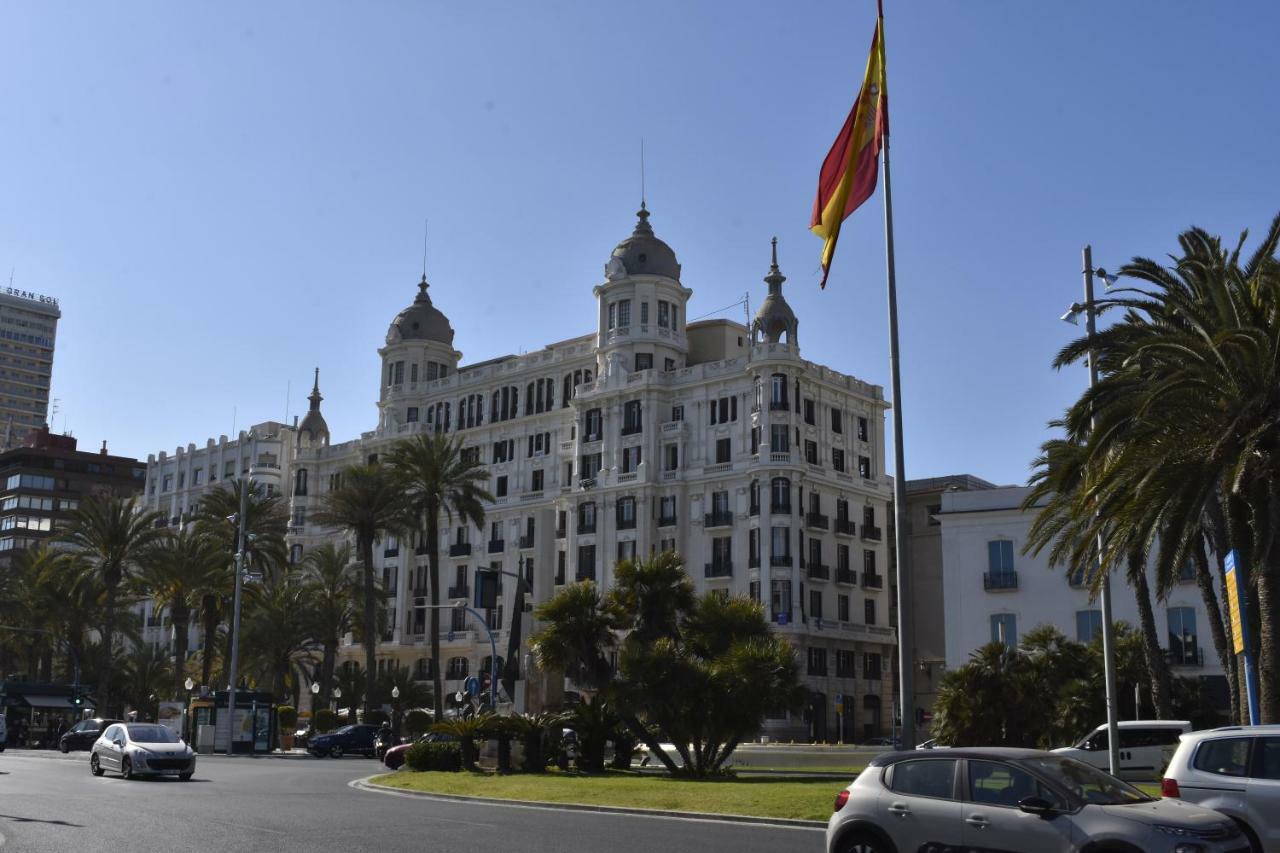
<point x="20" y="819"/>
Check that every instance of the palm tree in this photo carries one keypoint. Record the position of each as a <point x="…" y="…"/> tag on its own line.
<point x="113" y="533"/>
<point x="353" y="682"/>
<point x="412" y="693"/>
<point x="175" y="574"/>
<point x="369" y="505"/>
<point x="1188" y="407"/>
<point x="146" y="675"/>
<point x="440" y="479"/>
<point x="331" y="605"/>
<point x="579" y="630"/>
<point x="276" y="633"/>
<point x="657" y="591"/>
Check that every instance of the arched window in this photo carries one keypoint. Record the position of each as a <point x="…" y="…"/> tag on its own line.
<point x="778" y="391"/>
<point x="457" y="669"/>
<point x="300" y="482"/>
<point x="780" y="495"/>
<point x="484" y="665"/>
<point x="422" y="670"/>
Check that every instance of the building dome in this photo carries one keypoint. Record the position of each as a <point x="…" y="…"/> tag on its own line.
<point x="642" y="253"/>
<point x="314" y="431"/>
<point x="421" y="321"/>
<point x="775" y="317"/>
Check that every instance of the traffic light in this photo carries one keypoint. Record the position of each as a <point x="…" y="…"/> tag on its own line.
<point x="77" y="700"/>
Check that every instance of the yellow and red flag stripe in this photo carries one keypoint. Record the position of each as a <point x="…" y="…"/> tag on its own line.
<point x="848" y="176"/>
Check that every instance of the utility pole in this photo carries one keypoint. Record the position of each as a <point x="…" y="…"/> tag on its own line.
<point x="245" y="483"/>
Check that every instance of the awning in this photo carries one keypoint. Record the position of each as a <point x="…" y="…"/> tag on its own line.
<point x="61" y="702"/>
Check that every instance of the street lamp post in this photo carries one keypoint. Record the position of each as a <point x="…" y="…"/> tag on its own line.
<point x="337" y="694"/>
<point x="461" y="604"/>
<point x="241" y="518"/>
<point x="1108" y="628"/>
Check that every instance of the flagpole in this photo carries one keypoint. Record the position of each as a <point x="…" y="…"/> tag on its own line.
<point x="906" y="628"/>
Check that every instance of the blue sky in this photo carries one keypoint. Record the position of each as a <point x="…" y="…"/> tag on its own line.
<point x="224" y="196"/>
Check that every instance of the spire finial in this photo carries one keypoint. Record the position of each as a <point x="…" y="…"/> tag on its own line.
<point x="775" y="278"/>
<point x="425" y="226"/>
<point x="774" y="266"/>
<point x="316" y="386"/>
<point x="315" y="397"/>
<point x="642" y="173"/>
<point x="643" y="228"/>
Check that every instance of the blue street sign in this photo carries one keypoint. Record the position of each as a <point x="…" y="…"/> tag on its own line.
<point x="473" y="686"/>
<point x="782" y="618"/>
<point x="450" y="636"/>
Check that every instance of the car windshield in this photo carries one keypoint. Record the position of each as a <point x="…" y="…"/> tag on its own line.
<point x="345" y="730"/>
<point x="152" y="734"/>
<point x="1086" y="782"/>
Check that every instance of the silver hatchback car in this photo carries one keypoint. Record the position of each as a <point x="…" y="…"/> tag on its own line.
<point x="142" y="749"/>
<point x="1014" y="800"/>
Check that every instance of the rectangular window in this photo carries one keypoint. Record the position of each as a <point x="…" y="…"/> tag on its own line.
<point x="842" y="608"/>
<point x="677" y="413"/>
<point x="613" y="315"/>
<point x="871" y="666"/>
<point x="664" y="314"/>
<point x="644" y="360"/>
<point x="631" y="423"/>
<point x="501" y="490"/>
<point x="862" y="429"/>
<point x="624" y="313"/>
<point x="626" y="513"/>
<point x="753" y="548"/>
<point x="536" y="482"/>
<point x="864" y="467"/>
<point x="586" y="562"/>
<point x="560" y="567"/>
<point x="815" y="603"/>
<point x="630" y="459"/>
<point x="780" y="544"/>
<point x="779" y="438"/>
<point x="811" y="452"/>
<point x="671" y="455"/>
<point x="869" y="611"/>
<point x="644" y="317"/>
<point x="411" y="414"/>
<point x="593" y="425"/>
<point x="722" y="450"/>
<point x="809" y="415"/>
<point x="668" y="364"/>
<point x="667" y="510"/>
<point x="837" y="421"/>
<point x="1184" y="646"/>
<point x="780" y="599"/>
<point x="837" y="459"/>
<point x="1000" y="557"/>
<point x="413" y="372"/>
<point x="1088" y="625"/>
<point x="817" y="661"/>
<point x="626" y="550"/>
<point x="1004" y="629"/>
<point x="844" y="663"/>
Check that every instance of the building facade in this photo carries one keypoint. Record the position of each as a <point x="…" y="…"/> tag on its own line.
<point x="993" y="591"/>
<point x="712" y="439"/>
<point x="28" y="330"/>
<point x="44" y="481"/>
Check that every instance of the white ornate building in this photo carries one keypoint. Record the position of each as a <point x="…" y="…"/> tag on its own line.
<point x="763" y="470"/>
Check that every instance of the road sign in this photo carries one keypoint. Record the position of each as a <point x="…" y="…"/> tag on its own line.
<point x="473" y="685"/>
<point x="782" y="618"/>
<point x="450" y="636"/>
<point x="1237" y="607"/>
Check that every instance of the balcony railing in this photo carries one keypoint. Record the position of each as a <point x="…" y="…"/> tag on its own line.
<point x="779" y="406"/>
<point x="780" y="509"/>
<point x="872" y="581"/>
<point x="817" y="520"/>
<point x="421" y="551"/>
<point x="846" y="576"/>
<point x="526" y="541"/>
<point x="587" y="483"/>
<point x="560" y="532"/>
<point x="817" y="571"/>
<point x="666" y="521"/>
<point x="718" y="518"/>
<point x="999" y="580"/>
<point x="845" y="527"/>
<point x="753" y="561"/>
<point x="632" y="429"/>
<point x="780" y="560"/>
<point x="781" y="457"/>
<point x="722" y="569"/>
<point x="390" y="552"/>
<point x="870" y="532"/>
<point x="754" y="510"/>
<point x="460" y="549"/>
<point x="588" y="574"/>
<point x="463" y="591"/>
<point x="586" y="527"/>
<point x="496" y="546"/>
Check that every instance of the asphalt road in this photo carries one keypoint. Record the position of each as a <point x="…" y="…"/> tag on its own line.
<point x="50" y="802"/>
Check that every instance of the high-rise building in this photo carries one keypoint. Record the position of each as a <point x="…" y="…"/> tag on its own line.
<point x="28" y="328"/>
<point x="716" y="440"/>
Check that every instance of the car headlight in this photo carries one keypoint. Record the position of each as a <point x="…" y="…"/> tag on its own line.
<point x="139" y="757"/>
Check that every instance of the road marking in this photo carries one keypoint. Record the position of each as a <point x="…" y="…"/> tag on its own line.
<point x="359" y="784"/>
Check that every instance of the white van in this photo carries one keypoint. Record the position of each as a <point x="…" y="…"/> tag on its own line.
<point x="1146" y="747"/>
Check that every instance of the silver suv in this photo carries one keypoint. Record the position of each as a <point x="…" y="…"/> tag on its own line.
<point x="1235" y="770"/>
<point x="1014" y="799"/>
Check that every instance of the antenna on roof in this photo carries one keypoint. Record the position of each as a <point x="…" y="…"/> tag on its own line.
<point x="288" y="390"/>
<point x="12" y="270"/>
<point x="425" y="226"/>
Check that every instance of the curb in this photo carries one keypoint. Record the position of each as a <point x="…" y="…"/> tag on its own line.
<point x="776" y="822"/>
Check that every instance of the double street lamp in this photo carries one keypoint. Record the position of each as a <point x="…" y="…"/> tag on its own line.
<point x="243" y="538"/>
<point x="1108" y="629"/>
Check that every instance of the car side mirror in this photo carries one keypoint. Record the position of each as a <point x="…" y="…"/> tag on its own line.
<point x="1037" y="806"/>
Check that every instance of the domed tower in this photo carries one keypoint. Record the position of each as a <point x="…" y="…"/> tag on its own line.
<point x="313" y="431"/>
<point x="775" y="317"/>
<point x="641" y="305"/>
<point x="419" y="349"/>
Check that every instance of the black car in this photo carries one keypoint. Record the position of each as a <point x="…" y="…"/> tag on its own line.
<point x="359" y="737"/>
<point x="84" y="734"/>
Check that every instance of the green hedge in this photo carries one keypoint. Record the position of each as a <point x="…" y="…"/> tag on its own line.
<point x="324" y="720"/>
<point x="416" y="722"/>
<point x="434" y="756"/>
<point x="375" y="718"/>
<point x="287" y="717"/>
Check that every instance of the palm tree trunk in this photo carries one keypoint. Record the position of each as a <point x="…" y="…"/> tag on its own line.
<point x="1157" y="666"/>
<point x="181" y="628"/>
<point x="1268" y="646"/>
<point x="1221" y="642"/>
<point x="209" y="633"/>
<point x="108" y="638"/>
<point x="370" y="623"/>
<point x="433" y="562"/>
<point x="326" y="672"/>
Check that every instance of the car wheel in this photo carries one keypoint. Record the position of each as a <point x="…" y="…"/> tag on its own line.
<point x="94" y="766"/>
<point x="864" y="842"/>
<point x="1254" y="845"/>
<point x="64" y="747"/>
<point x="126" y="768"/>
<point x="185" y="777"/>
<point x="335" y="752"/>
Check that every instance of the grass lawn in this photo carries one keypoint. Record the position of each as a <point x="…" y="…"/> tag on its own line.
<point x="801" y="798"/>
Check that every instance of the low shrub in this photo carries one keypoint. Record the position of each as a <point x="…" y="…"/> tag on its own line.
<point x="375" y="717"/>
<point x="416" y="722"/>
<point x="324" y="720"/>
<point x="287" y="717"/>
<point x="434" y="756"/>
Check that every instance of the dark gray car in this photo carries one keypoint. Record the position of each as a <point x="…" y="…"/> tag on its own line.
<point x="1013" y="799"/>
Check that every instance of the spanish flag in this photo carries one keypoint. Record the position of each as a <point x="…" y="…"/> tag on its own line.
<point x="848" y="176"/>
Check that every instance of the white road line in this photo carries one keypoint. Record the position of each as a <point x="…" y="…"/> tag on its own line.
<point x="506" y="804"/>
